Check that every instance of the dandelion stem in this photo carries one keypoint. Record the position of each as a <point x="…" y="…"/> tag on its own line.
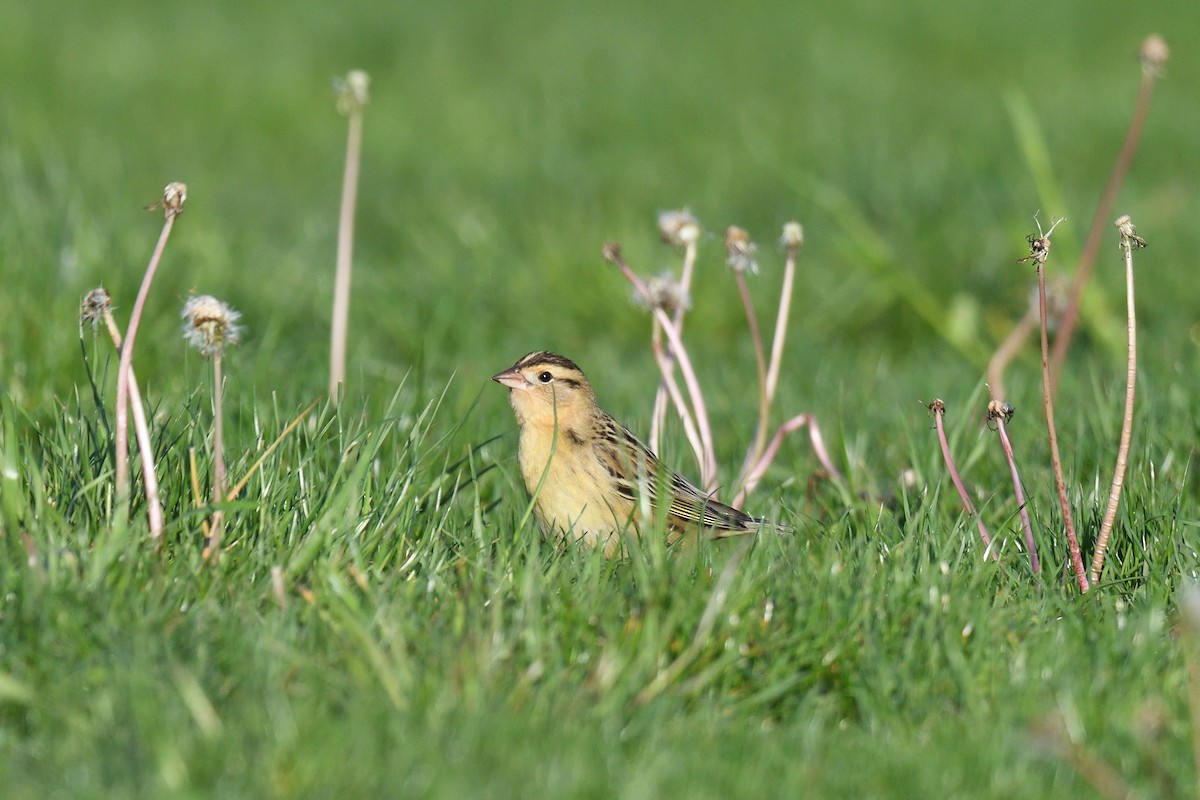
<point x="1026" y="528"/>
<point x="1128" y="242"/>
<point x="352" y="100"/>
<point x="760" y="363"/>
<point x="672" y="390"/>
<point x="1055" y="458"/>
<point x="759" y="468"/>
<point x="939" y="409"/>
<point x="658" y="416"/>
<point x="218" y="491"/>
<point x="142" y="433"/>
<point x="708" y="456"/>
<point x="174" y="196"/>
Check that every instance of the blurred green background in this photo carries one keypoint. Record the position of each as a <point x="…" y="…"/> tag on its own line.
<point x="505" y="143"/>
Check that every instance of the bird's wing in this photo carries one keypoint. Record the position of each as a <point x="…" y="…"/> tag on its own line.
<point x="634" y="469"/>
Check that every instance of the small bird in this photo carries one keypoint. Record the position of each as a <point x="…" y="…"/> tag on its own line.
<point x="587" y="472"/>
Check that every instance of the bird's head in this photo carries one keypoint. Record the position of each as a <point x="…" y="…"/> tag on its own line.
<point x="546" y="389"/>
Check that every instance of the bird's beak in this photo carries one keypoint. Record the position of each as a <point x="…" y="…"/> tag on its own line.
<point x="512" y="379"/>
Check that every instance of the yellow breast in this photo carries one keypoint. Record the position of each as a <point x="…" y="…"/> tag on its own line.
<point x="574" y="497"/>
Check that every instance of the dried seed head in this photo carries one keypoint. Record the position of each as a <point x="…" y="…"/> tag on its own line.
<point x="352" y="91"/>
<point x="174" y="196"/>
<point x="678" y="228"/>
<point x="1000" y="410"/>
<point x="739" y="250"/>
<point x="1153" y="54"/>
<point x="95" y="304"/>
<point x="665" y="292"/>
<point x="793" y="236"/>
<point x="1039" y="246"/>
<point x="611" y="253"/>
<point x="209" y="325"/>
<point x="1129" y="238"/>
<point x="936" y="406"/>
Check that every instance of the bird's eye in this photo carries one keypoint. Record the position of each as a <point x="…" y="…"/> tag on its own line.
<point x="545" y="376"/>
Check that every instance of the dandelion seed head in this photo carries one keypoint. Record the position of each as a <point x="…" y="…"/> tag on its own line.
<point x="174" y="196"/>
<point x="793" y="236"/>
<point x="1153" y="54"/>
<point x="739" y="250"/>
<point x="678" y="228"/>
<point x="352" y="91"/>
<point x="666" y="292"/>
<point x="95" y="304"/>
<point x="210" y="325"/>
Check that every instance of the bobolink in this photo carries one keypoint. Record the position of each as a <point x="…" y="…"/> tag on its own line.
<point x="587" y="472"/>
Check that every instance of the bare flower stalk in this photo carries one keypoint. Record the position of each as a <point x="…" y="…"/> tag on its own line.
<point x="352" y="97"/>
<point x="174" y="196"/>
<point x="1129" y="241"/>
<point x="210" y="326"/>
<point x="680" y="230"/>
<point x="97" y="307"/>
<point x="759" y="468"/>
<point x="219" y="474"/>
<point x="707" y="457"/>
<point x="739" y="254"/>
<point x="1152" y="55"/>
<point x="939" y="410"/>
<point x="1001" y="414"/>
<point x="793" y="236"/>
<point x="1039" y="251"/>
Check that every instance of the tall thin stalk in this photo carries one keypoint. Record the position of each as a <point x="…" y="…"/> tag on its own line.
<point x="680" y="230"/>
<point x="174" y="196"/>
<point x="96" y="308"/>
<point x="707" y="456"/>
<point x="210" y="326"/>
<point x="1001" y="414"/>
<point x="1039" y="251"/>
<point x="939" y="410"/>
<point x="1129" y="241"/>
<point x="352" y="97"/>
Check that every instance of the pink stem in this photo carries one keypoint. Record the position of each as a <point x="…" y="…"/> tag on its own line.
<point x="1030" y="544"/>
<point x="1118" y="481"/>
<point x="768" y="456"/>
<point x="939" y="409"/>
<point x="126" y="363"/>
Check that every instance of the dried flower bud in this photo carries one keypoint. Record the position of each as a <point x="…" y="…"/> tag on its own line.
<point x="665" y="292"/>
<point x="1000" y="410"/>
<point x="209" y="325"/>
<point x="1153" y="54"/>
<point x="352" y="91"/>
<point x="739" y="250"/>
<point x="1129" y="238"/>
<point x="678" y="228"/>
<point x="95" y="304"/>
<point x="793" y="236"/>
<point x="174" y="196"/>
<point x="611" y="252"/>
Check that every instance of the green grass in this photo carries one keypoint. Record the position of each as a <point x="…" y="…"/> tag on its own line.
<point x="426" y="644"/>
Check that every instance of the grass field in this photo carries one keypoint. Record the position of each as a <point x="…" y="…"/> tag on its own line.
<point x="381" y="622"/>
